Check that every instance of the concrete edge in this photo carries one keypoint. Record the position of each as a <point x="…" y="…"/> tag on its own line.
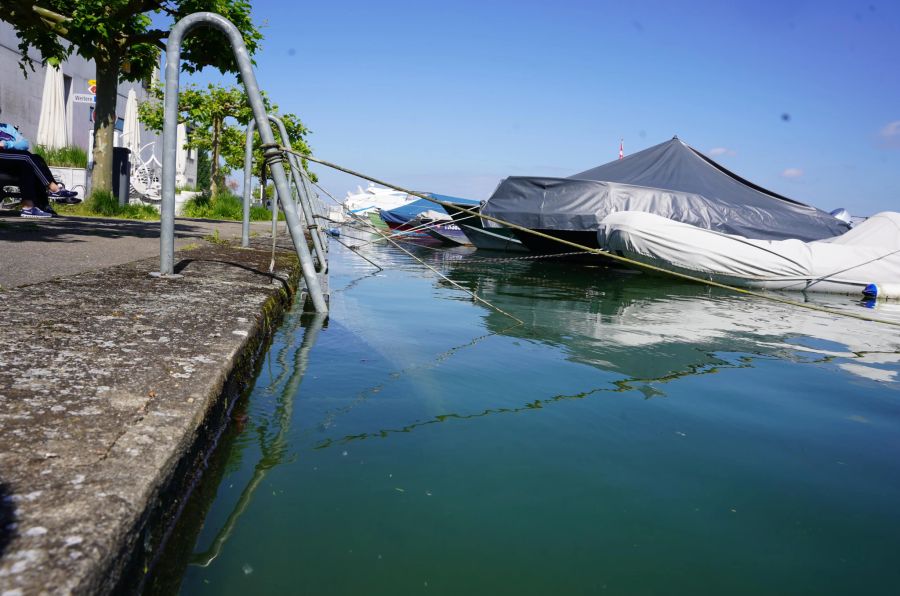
<point x="147" y="538"/>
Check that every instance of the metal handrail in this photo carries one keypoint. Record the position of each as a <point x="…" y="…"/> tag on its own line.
<point x="308" y="212"/>
<point x="273" y="155"/>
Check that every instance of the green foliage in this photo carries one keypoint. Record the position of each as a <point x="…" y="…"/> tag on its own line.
<point x="214" y="238"/>
<point x="258" y="213"/>
<point x="120" y="36"/>
<point x="224" y="206"/>
<point x="102" y="203"/>
<point x="66" y="157"/>
<point x="121" y="32"/>
<point x="218" y="119"/>
<point x="202" y="170"/>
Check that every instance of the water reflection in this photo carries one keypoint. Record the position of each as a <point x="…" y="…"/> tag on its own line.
<point x="273" y="446"/>
<point x="666" y="403"/>
<point x="649" y="331"/>
<point x="647" y="327"/>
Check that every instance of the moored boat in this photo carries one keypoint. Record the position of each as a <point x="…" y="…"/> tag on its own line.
<point x="479" y="233"/>
<point x="371" y="199"/>
<point x="415" y="219"/>
<point x="670" y="179"/>
<point x="864" y="260"/>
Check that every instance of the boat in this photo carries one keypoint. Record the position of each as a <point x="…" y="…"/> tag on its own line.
<point x="446" y="232"/>
<point x="670" y="179"/>
<point x="427" y="221"/>
<point x="365" y="202"/>
<point x="484" y="234"/>
<point x="864" y="260"/>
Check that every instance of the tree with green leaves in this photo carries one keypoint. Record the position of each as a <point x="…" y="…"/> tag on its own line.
<point x="218" y="118"/>
<point x="124" y="39"/>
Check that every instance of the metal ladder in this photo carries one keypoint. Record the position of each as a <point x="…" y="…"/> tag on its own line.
<point x="273" y="155"/>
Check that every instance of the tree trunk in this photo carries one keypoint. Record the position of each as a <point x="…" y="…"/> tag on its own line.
<point x="214" y="161"/>
<point x="105" y="123"/>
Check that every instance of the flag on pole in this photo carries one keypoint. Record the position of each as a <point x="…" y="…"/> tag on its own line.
<point x="621" y="148"/>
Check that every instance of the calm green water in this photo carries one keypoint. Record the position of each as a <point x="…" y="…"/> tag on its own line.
<point x="633" y="436"/>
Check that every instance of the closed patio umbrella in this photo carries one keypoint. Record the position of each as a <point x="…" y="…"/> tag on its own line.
<point x="52" y="123"/>
<point x="180" y="153"/>
<point x="131" y="130"/>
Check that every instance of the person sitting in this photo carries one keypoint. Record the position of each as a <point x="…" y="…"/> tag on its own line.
<point x="19" y="167"/>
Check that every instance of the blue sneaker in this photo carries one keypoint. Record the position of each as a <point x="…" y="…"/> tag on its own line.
<point x="63" y="192"/>
<point x="34" y="212"/>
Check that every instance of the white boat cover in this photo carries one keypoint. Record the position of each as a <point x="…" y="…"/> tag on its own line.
<point x="867" y="254"/>
<point x="670" y="179"/>
<point x="374" y="198"/>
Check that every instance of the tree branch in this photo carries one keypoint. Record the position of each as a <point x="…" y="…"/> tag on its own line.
<point x="136" y="7"/>
<point x="52" y="20"/>
<point x="153" y="37"/>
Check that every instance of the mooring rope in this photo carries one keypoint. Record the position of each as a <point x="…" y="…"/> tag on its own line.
<point x="812" y="282"/>
<point x="344" y="208"/>
<point x="604" y="253"/>
<point x="380" y="238"/>
<point x="338" y="240"/>
<point x="474" y="296"/>
<point x="406" y="232"/>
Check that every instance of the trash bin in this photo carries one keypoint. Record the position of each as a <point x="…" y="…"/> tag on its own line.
<point x="121" y="181"/>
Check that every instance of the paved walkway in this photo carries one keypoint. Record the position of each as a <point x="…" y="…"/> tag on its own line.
<point x="33" y="250"/>
<point x="112" y="385"/>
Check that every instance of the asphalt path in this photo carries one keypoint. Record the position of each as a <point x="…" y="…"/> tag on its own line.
<point x="32" y="251"/>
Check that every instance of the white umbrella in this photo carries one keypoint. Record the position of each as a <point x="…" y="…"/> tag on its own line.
<point x="131" y="130"/>
<point x="180" y="153"/>
<point x="52" y="124"/>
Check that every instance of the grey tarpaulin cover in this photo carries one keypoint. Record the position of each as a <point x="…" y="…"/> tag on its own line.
<point x="671" y="180"/>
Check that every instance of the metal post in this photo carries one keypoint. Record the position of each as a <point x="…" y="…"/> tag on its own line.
<point x="273" y="156"/>
<point x="308" y="213"/>
<point x="248" y="176"/>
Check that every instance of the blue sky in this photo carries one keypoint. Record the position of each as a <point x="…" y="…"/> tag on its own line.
<point x="799" y="97"/>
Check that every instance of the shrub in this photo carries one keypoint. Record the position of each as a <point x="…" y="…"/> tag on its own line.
<point x="66" y="157"/>
<point x="105" y="204"/>
<point x="224" y="206"/>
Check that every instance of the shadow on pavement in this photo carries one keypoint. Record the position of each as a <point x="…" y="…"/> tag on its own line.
<point x="79" y="229"/>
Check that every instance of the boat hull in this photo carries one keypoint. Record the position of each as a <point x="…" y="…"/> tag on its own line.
<point x="500" y="239"/>
<point x="541" y="245"/>
<point x="448" y="234"/>
<point x="376" y="220"/>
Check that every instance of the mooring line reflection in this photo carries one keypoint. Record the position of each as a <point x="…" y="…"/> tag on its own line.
<point x="644" y="386"/>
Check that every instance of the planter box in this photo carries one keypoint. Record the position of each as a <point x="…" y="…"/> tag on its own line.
<point x="73" y="178"/>
<point x="181" y="198"/>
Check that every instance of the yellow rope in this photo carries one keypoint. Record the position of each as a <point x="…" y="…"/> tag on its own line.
<point x="390" y="239"/>
<point x="609" y="255"/>
<point x="444" y="277"/>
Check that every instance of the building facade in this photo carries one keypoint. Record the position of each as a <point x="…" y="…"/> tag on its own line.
<point x="20" y="102"/>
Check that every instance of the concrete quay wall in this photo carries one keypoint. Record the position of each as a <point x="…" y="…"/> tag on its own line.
<point x="113" y="388"/>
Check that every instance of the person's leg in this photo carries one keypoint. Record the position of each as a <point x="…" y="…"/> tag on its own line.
<point x="44" y="170"/>
<point x="23" y="172"/>
<point x="41" y="179"/>
<point x="39" y="195"/>
<point x="18" y="166"/>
